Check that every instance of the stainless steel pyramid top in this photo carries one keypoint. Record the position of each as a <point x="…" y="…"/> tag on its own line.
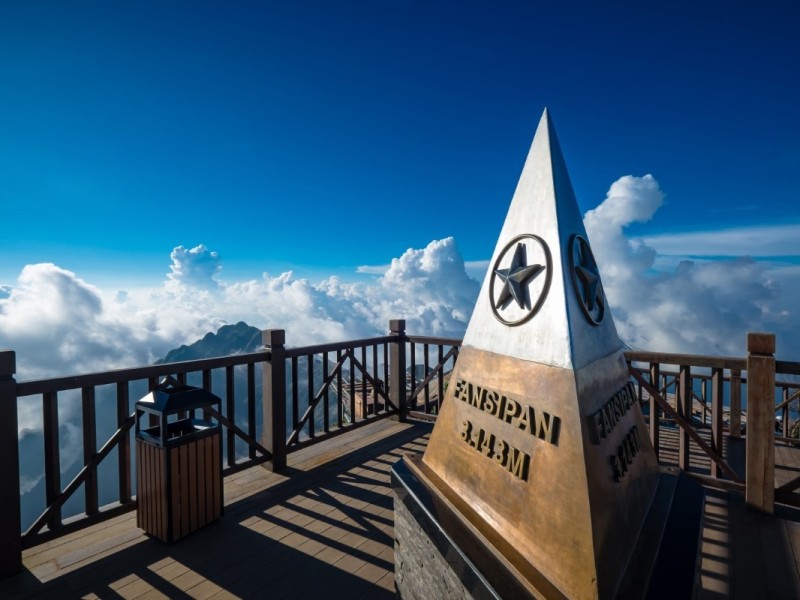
<point x="542" y="299"/>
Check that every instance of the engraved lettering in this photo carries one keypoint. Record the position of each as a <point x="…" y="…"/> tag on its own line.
<point x="603" y="421"/>
<point x="616" y="408"/>
<point x="512" y="459"/>
<point x="523" y="416"/>
<point x="458" y="391"/>
<point x="526" y="418"/>
<point x="487" y="446"/>
<point x="616" y="469"/>
<point x="517" y="464"/>
<point x="499" y="406"/>
<point x="501" y="453"/>
<point x="511" y="410"/>
<point x="490" y="402"/>
<point x="625" y="455"/>
<point x="547" y="427"/>
<point x="466" y="430"/>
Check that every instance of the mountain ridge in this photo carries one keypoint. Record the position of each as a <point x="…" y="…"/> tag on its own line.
<point x="240" y="338"/>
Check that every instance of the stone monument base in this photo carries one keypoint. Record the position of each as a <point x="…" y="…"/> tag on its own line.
<point x="439" y="553"/>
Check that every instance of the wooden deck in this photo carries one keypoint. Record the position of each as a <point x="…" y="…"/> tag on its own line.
<point x="744" y="554"/>
<point x="325" y="529"/>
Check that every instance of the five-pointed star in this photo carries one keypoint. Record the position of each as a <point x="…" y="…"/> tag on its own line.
<point x="589" y="275"/>
<point x="515" y="278"/>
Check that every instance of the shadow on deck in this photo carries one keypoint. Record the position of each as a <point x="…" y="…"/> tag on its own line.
<point x="325" y="529"/>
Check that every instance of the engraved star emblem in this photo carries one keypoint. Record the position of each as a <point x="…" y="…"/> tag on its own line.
<point x="591" y="281"/>
<point x="586" y="278"/>
<point x="515" y="278"/>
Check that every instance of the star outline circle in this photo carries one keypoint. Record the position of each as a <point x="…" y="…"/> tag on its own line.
<point x="548" y="272"/>
<point x="586" y="279"/>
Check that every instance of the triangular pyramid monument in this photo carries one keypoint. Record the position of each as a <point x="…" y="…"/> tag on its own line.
<point x="540" y="454"/>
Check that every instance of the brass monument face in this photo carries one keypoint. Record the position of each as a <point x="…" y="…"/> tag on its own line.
<point x="540" y="446"/>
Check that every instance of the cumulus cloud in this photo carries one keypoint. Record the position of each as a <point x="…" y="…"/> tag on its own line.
<point x="428" y="287"/>
<point x="56" y="322"/>
<point x="196" y="268"/>
<point x="59" y="324"/>
<point x="701" y="307"/>
<point x="764" y="241"/>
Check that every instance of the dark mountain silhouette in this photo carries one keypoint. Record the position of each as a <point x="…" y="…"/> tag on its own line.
<point x="229" y="339"/>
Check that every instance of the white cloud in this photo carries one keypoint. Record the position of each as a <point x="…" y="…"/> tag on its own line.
<point x="196" y="268"/>
<point x="700" y="307"/>
<point x="774" y="240"/>
<point x="372" y="269"/>
<point x="53" y="319"/>
<point x="60" y="324"/>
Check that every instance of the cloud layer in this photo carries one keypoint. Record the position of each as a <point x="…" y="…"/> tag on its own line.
<point x="693" y="306"/>
<point x="60" y="324"/>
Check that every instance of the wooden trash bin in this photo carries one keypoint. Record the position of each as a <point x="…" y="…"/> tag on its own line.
<point x="178" y="462"/>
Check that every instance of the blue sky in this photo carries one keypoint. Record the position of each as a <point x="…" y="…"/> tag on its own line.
<point x="322" y="136"/>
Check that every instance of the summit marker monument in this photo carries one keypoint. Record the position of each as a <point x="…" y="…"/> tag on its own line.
<point x="539" y="470"/>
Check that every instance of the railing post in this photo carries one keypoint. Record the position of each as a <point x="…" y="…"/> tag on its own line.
<point x="717" y="382"/>
<point x="10" y="534"/>
<point x="683" y="401"/>
<point x="397" y="366"/>
<point x="654" y="416"/>
<point x="760" y="490"/>
<point x="736" y="404"/>
<point x="274" y="398"/>
<point x="785" y="412"/>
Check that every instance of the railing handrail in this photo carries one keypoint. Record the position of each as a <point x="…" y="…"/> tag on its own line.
<point x="298" y="351"/>
<point x="786" y="367"/>
<point x="439" y="341"/>
<point x="75" y="382"/>
<point x="691" y="360"/>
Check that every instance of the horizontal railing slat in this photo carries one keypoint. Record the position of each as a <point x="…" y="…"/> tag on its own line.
<point x="334" y="346"/>
<point x="690" y="360"/>
<point x="434" y="341"/>
<point x="58" y="384"/>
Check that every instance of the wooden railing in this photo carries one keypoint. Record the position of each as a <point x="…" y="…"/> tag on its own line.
<point x="687" y="392"/>
<point x="668" y="391"/>
<point x="436" y="357"/>
<point x="304" y="395"/>
<point x="301" y="396"/>
<point x="113" y="389"/>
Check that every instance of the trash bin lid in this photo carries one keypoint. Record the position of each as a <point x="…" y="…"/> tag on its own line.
<point x="170" y="396"/>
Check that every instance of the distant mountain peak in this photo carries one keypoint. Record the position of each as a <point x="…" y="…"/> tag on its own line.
<point x="240" y="338"/>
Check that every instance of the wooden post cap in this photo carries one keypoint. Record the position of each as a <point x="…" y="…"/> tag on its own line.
<point x="761" y="343"/>
<point x="8" y="363"/>
<point x="273" y="337"/>
<point x="397" y="326"/>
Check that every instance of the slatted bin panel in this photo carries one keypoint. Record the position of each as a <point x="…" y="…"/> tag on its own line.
<point x="180" y="486"/>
